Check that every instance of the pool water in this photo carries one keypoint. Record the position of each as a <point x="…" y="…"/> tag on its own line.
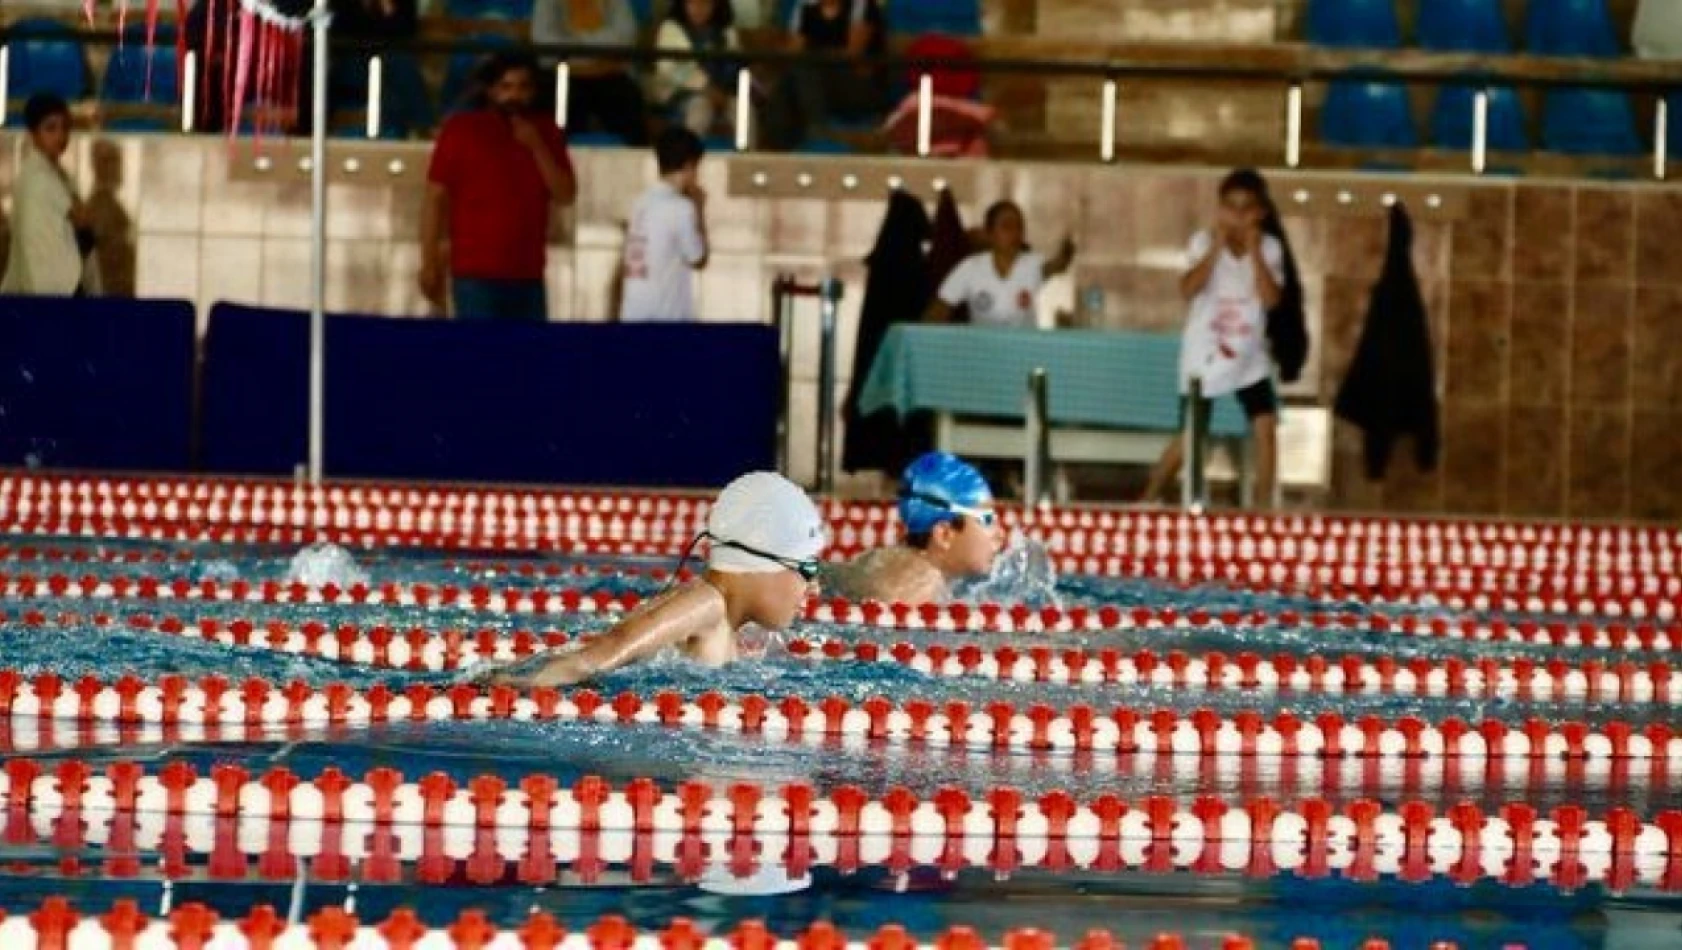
<point x="1131" y="904"/>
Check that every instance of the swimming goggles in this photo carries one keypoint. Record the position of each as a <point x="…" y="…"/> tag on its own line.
<point x="986" y="517"/>
<point x="808" y="570"/>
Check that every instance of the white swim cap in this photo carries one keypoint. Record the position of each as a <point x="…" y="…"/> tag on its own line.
<point x="768" y="513"/>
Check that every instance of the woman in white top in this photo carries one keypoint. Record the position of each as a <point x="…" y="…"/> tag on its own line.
<point x="1001" y="285"/>
<point x="1235" y="274"/>
<point x="699" y="93"/>
<point x="52" y="235"/>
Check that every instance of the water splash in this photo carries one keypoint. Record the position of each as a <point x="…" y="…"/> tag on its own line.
<point x="321" y="564"/>
<point x="1023" y="572"/>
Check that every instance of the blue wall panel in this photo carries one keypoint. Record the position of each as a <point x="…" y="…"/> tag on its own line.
<point x="96" y="384"/>
<point x="657" y="405"/>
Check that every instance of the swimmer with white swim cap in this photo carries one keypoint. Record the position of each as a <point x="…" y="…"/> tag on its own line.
<point x="766" y="536"/>
<point x="951" y="532"/>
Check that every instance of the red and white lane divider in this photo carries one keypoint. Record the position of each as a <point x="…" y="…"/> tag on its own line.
<point x="955" y="618"/>
<point x="1079" y="728"/>
<point x="49" y="490"/>
<point x="747" y="826"/>
<point x="421" y="649"/>
<point x="1486" y="678"/>
<point x="193" y="926"/>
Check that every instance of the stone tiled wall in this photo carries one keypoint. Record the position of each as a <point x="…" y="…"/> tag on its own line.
<point x="1555" y="306"/>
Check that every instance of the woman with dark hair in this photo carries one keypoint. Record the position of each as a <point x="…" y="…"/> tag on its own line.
<point x="1239" y="284"/>
<point x="701" y="94"/>
<point x="1000" y="286"/>
<point x="52" y="230"/>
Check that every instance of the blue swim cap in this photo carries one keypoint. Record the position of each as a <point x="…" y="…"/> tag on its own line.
<point x="934" y="483"/>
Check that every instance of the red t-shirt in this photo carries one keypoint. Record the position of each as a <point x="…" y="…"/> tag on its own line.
<point x="499" y="205"/>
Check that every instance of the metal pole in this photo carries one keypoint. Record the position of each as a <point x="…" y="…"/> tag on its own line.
<point x="189" y="91"/>
<point x="1036" y="460"/>
<point x="744" y="109"/>
<point x="925" y="114"/>
<point x="1661" y="134"/>
<point x="1293" y="126"/>
<point x="321" y="20"/>
<point x="1106" y="125"/>
<point x="1192" y="488"/>
<point x="780" y="319"/>
<point x="563" y="94"/>
<point x="830" y="310"/>
<point x="1480" y="131"/>
<point x="5" y="72"/>
<point x="376" y="95"/>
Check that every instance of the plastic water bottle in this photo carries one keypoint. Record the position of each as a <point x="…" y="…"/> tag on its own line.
<point x="1092" y="305"/>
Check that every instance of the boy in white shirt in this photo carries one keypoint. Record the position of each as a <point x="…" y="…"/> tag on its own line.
<point x="1235" y="275"/>
<point x="667" y="235"/>
<point x="1001" y="285"/>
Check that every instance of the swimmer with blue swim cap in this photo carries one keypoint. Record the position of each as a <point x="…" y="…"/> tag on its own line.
<point x="765" y="537"/>
<point x="951" y="532"/>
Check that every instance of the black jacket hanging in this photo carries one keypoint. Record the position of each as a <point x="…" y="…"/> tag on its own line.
<point x="1287" y="326"/>
<point x="896" y="291"/>
<point x="1390" y="390"/>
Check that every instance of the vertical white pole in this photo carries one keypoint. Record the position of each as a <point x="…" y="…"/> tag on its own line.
<point x="925" y="114"/>
<point x="1293" y="126"/>
<point x="5" y="71"/>
<point x="744" y="109"/>
<point x="563" y="90"/>
<point x="376" y="97"/>
<point x="318" y="243"/>
<point x="1106" y="130"/>
<point x="1661" y="143"/>
<point x="189" y="92"/>
<point x="1480" y="131"/>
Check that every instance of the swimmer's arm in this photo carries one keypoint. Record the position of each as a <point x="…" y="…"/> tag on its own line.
<point x="636" y="638"/>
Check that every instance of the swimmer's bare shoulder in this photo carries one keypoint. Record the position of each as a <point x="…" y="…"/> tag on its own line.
<point x="889" y="575"/>
<point x="691" y="618"/>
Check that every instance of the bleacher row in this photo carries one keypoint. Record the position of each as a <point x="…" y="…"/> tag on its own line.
<point x="1367" y="111"/>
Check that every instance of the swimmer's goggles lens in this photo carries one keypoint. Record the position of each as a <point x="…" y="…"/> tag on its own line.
<point x="986" y="517"/>
<point x="808" y="570"/>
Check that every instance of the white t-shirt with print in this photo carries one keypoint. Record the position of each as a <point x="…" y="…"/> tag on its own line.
<point x="662" y="247"/>
<point x="1008" y="301"/>
<point x="1225" y="342"/>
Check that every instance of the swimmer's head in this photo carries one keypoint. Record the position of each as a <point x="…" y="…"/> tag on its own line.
<point x="767" y="535"/>
<point x="947" y="509"/>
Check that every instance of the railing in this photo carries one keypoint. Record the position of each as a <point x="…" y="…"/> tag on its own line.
<point x="1290" y="69"/>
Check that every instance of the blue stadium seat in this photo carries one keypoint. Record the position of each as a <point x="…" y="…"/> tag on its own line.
<point x="1570" y="28"/>
<point x="1589" y="122"/>
<point x="821" y="146"/>
<point x="1673" y="123"/>
<point x="1368" y="24"/>
<point x="1464" y="26"/>
<point x="491" y="9"/>
<point x="1451" y="119"/>
<point x="458" y="75"/>
<point x="594" y="140"/>
<point x="952" y="17"/>
<point x="45" y="57"/>
<point x="405" y="105"/>
<point x="136" y="74"/>
<point x="1361" y="113"/>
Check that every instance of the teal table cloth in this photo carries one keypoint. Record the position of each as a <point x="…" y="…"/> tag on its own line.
<point x="1098" y="379"/>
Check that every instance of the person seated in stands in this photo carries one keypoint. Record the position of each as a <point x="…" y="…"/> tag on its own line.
<point x="765" y="537"/>
<point x="959" y="123"/>
<point x="700" y="94"/>
<point x="951" y="532"/>
<point x="601" y="92"/>
<point x="666" y="239"/>
<point x="1235" y="274"/>
<point x="1000" y="286"/>
<point x="807" y="96"/>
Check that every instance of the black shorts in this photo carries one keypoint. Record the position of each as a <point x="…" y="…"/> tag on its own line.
<point x="1258" y="399"/>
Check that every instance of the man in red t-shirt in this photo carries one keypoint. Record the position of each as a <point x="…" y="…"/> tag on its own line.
<point x="496" y="170"/>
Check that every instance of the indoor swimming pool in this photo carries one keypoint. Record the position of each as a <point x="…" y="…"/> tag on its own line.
<point x="195" y="715"/>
